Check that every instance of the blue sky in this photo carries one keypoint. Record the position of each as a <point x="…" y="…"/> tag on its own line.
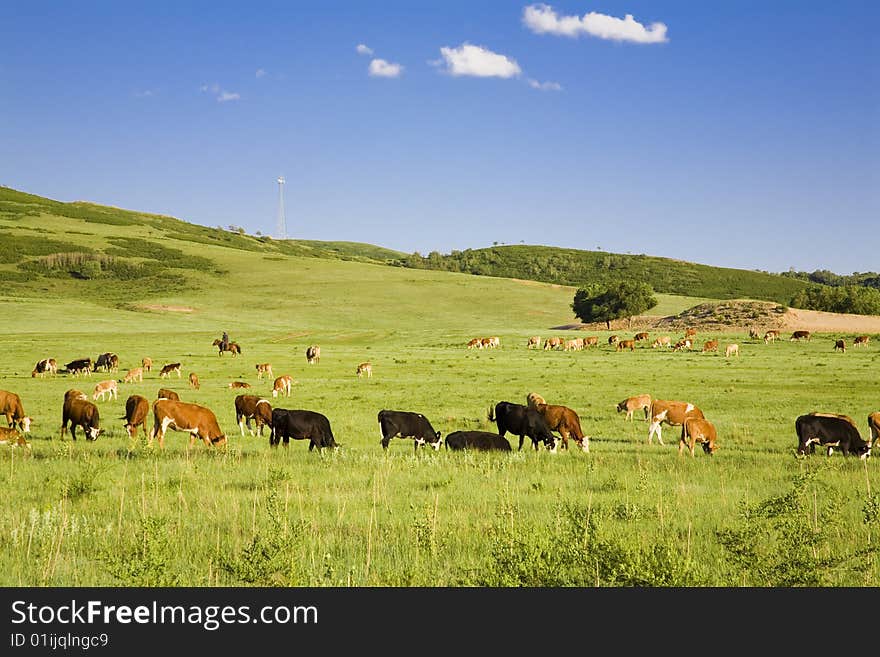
<point x="740" y="134"/>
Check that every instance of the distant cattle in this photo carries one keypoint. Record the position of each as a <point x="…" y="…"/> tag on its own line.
<point x="364" y="369"/>
<point x="673" y="413"/>
<point x="840" y="345"/>
<point x="591" y="341"/>
<point x="683" y="344"/>
<point x="300" y="424"/>
<point x="47" y="365"/>
<point x="698" y="430"/>
<point x="731" y="350"/>
<point x="625" y="344"/>
<point x="108" y="387"/>
<point x="264" y="368"/>
<point x="830" y="430"/>
<point x="12" y="408"/>
<point x="631" y="404"/>
<point x="490" y="343"/>
<point x="313" y="354"/>
<point x="168" y="369"/>
<point x="252" y="407"/>
<point x="406" y="424"/>
<point x="194" y="382"/>
<point x="710" y="345"/>
<point x="282" y="384"/>
<point x="800" y="335"/>
<point x="199" y="421"/>
<point x="134" y="374"/>
<point x="861" y="341"/>
<point x="137" y="412"/>
<point x="638" y="337"/>
<point x="874" y="428"/>
<point x="662" y="341"/>
<point x="107" y="362"/>
<point x="754" y="334"/>
<point x="80" y="412"/>
<point x="690" y="332"/>
<point x="553" y="343"/>
<point x="612" y="339"/>
<point x="771" y="336"/>
<point x="165" y="393"/>
<point x="566" y="422"/>
<point x="13" y="437"/>
<point x="475" y="343"/>
<point x="571" y="345"/>
<point x="483" y="441"/>
<point x="147" y="364"/>
<point x="533" y="342"/>
<point x="239" y="384"/>
<point x="79" y="366"/>
<point x="522" y="421"/>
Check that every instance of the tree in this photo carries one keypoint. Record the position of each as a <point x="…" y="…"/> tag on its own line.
<point x="602" y="303"/>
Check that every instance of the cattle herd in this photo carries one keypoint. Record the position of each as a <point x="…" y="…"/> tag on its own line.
<point x="536" y="419"/>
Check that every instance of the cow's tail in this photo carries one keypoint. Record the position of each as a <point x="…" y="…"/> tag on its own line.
<point x="491" y="414"/>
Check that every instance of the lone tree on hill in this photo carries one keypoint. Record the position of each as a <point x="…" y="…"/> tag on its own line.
<point x="602" y="303"/>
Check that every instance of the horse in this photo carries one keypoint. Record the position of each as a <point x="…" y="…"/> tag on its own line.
<point x="232" y="346"/>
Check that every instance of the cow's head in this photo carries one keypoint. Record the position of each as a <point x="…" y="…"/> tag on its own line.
<point x="709" y="447"/>
<point x="25" y="424"/>
<point x="92" y="433"/>
<point x="865" y="452"/>
<point x="437" y="444"/>
<point x="219" y="441"/>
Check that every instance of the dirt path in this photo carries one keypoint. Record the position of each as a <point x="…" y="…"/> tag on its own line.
<point x="822" y="322"/>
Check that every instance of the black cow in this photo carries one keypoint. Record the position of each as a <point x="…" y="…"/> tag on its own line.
<point x="301" y="425"/>
<point x="830" y="430"/>
<point x="522" y="421"/>
<point x="108" y="362"/>
<point x="79" y="366"/>
<point x="481" y="440"/>
<point x="404" y="424"/>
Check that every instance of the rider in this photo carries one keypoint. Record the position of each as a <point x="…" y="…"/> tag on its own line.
<point x="224" y="341"/>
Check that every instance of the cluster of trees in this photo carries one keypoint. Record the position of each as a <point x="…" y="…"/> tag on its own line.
<point x="840" y="299"/>
<point x="826" y="277"/>
<point x="621" y="299"/>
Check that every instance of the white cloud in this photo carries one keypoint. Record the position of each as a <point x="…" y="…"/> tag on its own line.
<point x="363" y="49"/>
<point x="379" y="68"/>
<point x="226" y="96"/>
<point x="543" y="19"/>
<point x="545" y="86"/>
<point x="478" y="61"/>
<point x="260" y="72"/>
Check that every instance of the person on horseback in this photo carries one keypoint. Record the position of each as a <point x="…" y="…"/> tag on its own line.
<point x="224" y="342"/>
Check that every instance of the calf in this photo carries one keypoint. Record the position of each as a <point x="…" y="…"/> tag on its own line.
<point x="365" y="369"/>
<point x="697" y="430"/>
<point x="264" y="368"/>
<point x="194" y="381"/>
<point x="147" y="364"/>
<point x="108" y="387"/>
<point x="13" y="438"/>
<point x="134" y="374"/>
<point x="632" y="404"/>
<point x="478" y="440"/>
<point x="840" y="345"/>
<point x="137" y="411"/>
<point x="830" y="430"/>
<point x="11" y="407"/>
<point x="710" y="345"/>
<point x="43" y="366"/>
<point x="165" y="393"/>
<point x="406" y="424"/>
<point x="301" y="425"/>
<point x="168" y="369"/>
<point x="80" y="412"/>
<point x="282" y="384"/>
<point x="662" y="341"/>
<point x="252" y="407"/>
<point x="673" y="413"/>
<point x="198" y="421"/>
<point x="731" y="350"/>
<point x="690" y="332"/>
<point x="522" y="421"/>
<point x="313" y="354"/>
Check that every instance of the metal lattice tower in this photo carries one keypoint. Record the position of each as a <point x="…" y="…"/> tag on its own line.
<point x="281" y="228"/>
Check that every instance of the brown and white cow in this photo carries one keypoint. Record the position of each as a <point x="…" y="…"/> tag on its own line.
<point x="194" y="382"/>
<point x="710" y="345"/>
<point x="698" y="430"/>
<point x="253" y="407"/>
<point x="840" y="345"/>
<point x="685" y="343"/>
<point x="662" y="341"/>
<point x="168" y="369"/>
<point x="638" y="337"/>
<point x="165" y="393"/>
<point x="108" y="387"/>
<point x="78" y="411"/>
<point x="800" y="335"/>
<point x="553" y="343"/>
<point x="43" y="366"/>
<point x="313" y="354"/>
<point x="673" y="413"/>
<point x="134" y="374"/>
<point x="137" y="411"/>
<point x="12" y="437"/>
<point x="198" y="421"/>
<point x="566" y="422"/>
<point x="147" y="364"/>
<point x="492" y="342"/>
<point x="264" y="368"/>
<point x="239" y="384"/>
<point x="613" y="339"/>
<point x="534" y="341"/>
<point x="625" y="344"/>
<point x="364" y="369"/>
<point x="282" y="385"/>
<point x="861" y="341"/>
<point x="634" y="403"/>
<point x="771" y="336"/>
<point x="874" y="426"/>
<point x="475" y="343"/>
<point x="731" y="350"/>
<point x="11" y="407"/>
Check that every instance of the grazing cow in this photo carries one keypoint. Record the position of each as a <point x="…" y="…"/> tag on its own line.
<point x="194" y="382"/>
<point x="313" y="354"/>
<point x="570" y="345"/>
<point x="198" y="421"/>
<point x="534" y="341"/>
<point x="364" y="369"/>
<point x="830" y="430"/>
<point x="673" y="413"/>
<point x="771" y="336"/>
<point x="553" y="343"/>
<point x="165" y="393"/>
<point x="137" y="411"/>
<point x="612" y="339"/>
<point x="252" y="407"/>
<point x="168" y="369"/>
<point x="731" y="350"/>
<point x="874" y="426"/>
<point x="690" y="332"/>
<point x="136" y="373"/>
<point x="229" y="346"/>
<point x="638" y="337"/>
<point x="108" y="387"/>
<point x="483" y="441"/>
<point x="282" y="384"/>
<point x="861" y="341"/>
<point x="522" y="421"/>
<point x="491" y="343"/>
<point x="80" y="412"/>
<point x="632" y="404"/>
<point x="301" y="425"/>
<point x="474" y="343"/>
<point x="840" y="345"/>
<point x="591" y="341"/>
<point x="698" y="430"/>
<point x="406" y="424"/>
<point x="625" y="344"/>
<point x="147" y="364"/>
<point x="239" y="384"/>
<point x="46" y="365"/>
<point x="107" y="362"/>
<point x="11" y="407"/>
<point x="566" y="422"/>
<point x="13" y="438"/>
<point x="753" y="333"/>
<point x="79" y="366"/>
<point x="683" y="344"/>
<point x="662" y="341"/>
<point x="264" y="368"/>
<point x="800" y="335"/>
<point x="533" y="399"/>
<point x="710" y="345"/>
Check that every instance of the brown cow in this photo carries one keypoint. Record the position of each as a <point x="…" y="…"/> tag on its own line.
<point x="625" y="344"/>
<point x="11" y="407"/>
<point x="632" y="404"/>
<point x="475" y="343"/>
<point x="591" y="341"/>
<point x="673" y="413"/>
<point x="874" y="426"/>
<point x="13" y="438"/>
<point x="662" y="341"/>
<point x="168" y="369"/>
<point x="264" y="368"/>
<point x="553" y="343"/>
<point x="566" y="422"/>
<point x="710" y="345"/>
<point x="690" y="332"/>
<point x="239" y="384"/>
<point x="80" y="412"/>
<point x="861" y="341"/>
<point x="165" y="393"/>
<point x="198" y="421"/>
<point x="136" y="373"/>
<point x="147" y="364"/>
<point x="364" y="369"/>
<point x="840" y="345"/>
<point x="46" y="365"/>
<point x="137" y="410"/>
<point x="109" y="387"/>
<point x="283" y="385"/>
<point x="534" y="341"/>
<point x="698" y="430"/>
<point x="252" y="407"/>
<point x="800" y="335"/>
<point x="194" y="381"/>
<point x="638" y="337"/>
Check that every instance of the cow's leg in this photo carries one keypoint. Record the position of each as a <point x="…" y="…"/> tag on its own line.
<point x="520" y="441"/>
<point x="654" y="428"/>
<point x="241" y="424"/>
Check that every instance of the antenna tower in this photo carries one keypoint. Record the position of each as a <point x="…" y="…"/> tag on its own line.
<point x="281" y="228"/>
